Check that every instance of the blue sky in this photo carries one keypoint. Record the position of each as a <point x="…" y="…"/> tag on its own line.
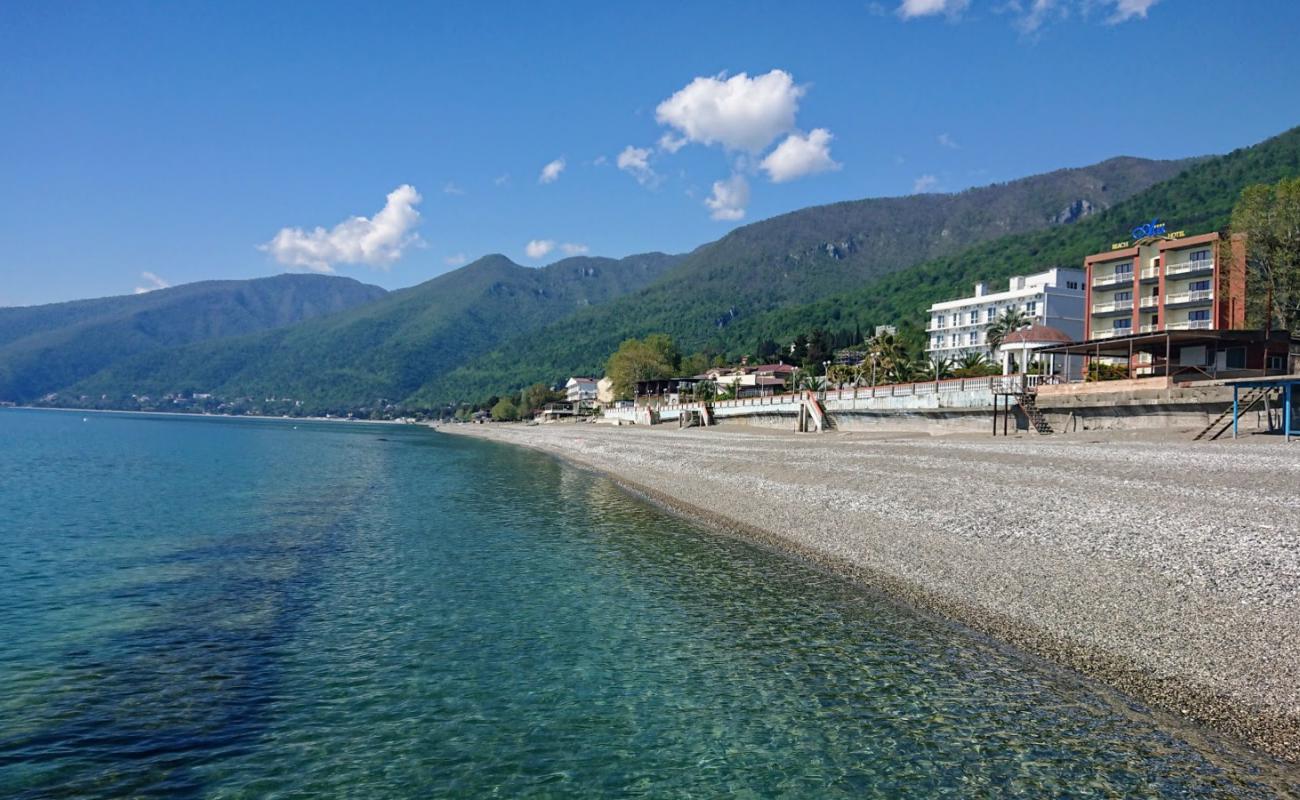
<point x="150" y="144"/>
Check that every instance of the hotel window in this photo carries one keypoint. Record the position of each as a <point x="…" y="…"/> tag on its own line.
<point x="942" y="320"/>
<point x="936" y="342"/>
<point x="1125" y="295"/>
<point x="1072" y="284"/>
<point x="990" y="314"/>
<point x="974" y="317"/>
<point x="1200" y="255"/>
<point x="1124" y="269"/>
<point x="1199" y="316"/>
<point x="1199" y="286"/>
<point x="1031" y="308"/>
<point x="971" y="338"/>
<point x="1123" y="324"/>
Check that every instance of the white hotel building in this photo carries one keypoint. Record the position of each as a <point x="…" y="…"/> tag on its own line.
<point x="1054" y="298"/>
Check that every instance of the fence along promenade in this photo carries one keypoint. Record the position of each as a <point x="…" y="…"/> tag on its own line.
<point x="790" y="401"/>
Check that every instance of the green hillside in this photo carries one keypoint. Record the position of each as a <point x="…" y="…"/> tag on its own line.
<point x="685" y="304"/>
<point x="386" y="350"/>
<point x="49" y="347"/>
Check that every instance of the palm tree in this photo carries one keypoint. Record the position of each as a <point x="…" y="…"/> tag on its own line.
<point x="886" y="352"/>
<point x="706" y="390"/>
<point x="901" y="371"/>
<point x="1012" y="320"/>
<point x="936" y="368"/>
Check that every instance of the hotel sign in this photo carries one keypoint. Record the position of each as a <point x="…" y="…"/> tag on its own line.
<point x="1148" y="232"/>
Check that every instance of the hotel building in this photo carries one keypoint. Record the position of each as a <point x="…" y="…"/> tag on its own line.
<point x="1054" y="298"/>
<point x="1166" y="283"/>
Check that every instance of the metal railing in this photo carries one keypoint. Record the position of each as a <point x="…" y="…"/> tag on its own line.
<point x="1198" y="296"/>
<point x="1150" y="273"/>
<point x="1110" y="333"/>
<point x="1190" y="325"/>
<point x="1111" y="280"/>
<point x="1183" y="267"/>
<point x="1150" y="302"/>
<point x="1117" y="305"/>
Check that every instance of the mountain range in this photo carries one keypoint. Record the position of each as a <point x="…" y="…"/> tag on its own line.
<point x="494" y="326"/>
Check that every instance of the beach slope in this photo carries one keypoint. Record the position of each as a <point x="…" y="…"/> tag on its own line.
<point x="1170" y="570"/>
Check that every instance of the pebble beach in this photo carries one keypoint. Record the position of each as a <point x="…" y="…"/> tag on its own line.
<point x="1167" y="569"/>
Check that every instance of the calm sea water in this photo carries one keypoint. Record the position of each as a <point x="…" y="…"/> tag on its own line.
<point x="226" y="608"/>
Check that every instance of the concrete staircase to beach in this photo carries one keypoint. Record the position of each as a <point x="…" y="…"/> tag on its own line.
<point x="1034" y="414"/>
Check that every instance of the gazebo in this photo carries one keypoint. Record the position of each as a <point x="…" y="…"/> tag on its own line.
<point x="1024" y="342"/>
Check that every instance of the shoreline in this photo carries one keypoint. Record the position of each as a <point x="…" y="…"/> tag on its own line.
<point x="1190" y="645"/>
<point x="204" y="416"/>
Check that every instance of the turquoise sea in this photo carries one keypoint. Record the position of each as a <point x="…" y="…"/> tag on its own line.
<point x="200" y="607"/>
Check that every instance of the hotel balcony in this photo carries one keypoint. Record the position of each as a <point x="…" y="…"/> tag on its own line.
<point x="1188" y="268"/>
<point x="1190" y="325"/>
<point x="1189" y="298"/>
<point x="1112" y="280"/>
<point x="1110" y="333"/>
<point x="1149" y="328"/>
<point x="1150" y="302"/>
<point x="1112" y="308"/>
<point x="1150" y="274"/>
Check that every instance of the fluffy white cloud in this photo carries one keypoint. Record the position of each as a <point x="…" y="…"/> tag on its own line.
<point x="452" y="188"/>
<point x="671" y="144"/>
<point x="539" y="248"/>
<point x="910" y="9"/>
<point x="740" y="112"/>
<point x="376" y="242"/>
<point x="925" y="183"/>
<point x="1128" y="9"/>
<point x="946" y="140"/>
<point x="502" y="180"/>
<point x="729" y="198"/>
<point x="551" y="172"/>
<point x="153" y="281"/>
<point x="455" y="260"/>
<point x="800" y="155"/>
<point x="572" y="249"/>
<point x="636" y="161"/>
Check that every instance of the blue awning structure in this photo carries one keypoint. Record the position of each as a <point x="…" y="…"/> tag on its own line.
<point x="1286" y="384"/>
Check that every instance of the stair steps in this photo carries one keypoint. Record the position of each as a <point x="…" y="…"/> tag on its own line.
<point x="1220" y="424"/>
<point x="1034" y="414"/>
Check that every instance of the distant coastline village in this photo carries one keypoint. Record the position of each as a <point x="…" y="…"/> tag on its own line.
<point x="1150" y="333"/>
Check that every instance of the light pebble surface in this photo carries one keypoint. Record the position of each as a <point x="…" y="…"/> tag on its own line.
<point x="1167" y="568"/>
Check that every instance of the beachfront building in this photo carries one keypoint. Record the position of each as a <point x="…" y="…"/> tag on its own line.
<point x="581" y="391"/>
<point x="750" y="380"/>
<point x="1166" y="282"/>
<point x="605" y="391"/>
<point x="1054" y="298"/>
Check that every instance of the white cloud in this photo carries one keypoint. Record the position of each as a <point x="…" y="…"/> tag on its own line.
<point x="502" y="180"/>
<point x="729" y="198"/>
<point x="924" y="184"/>
<point x="539" y="248"/>
<point x="910" y="9"/>
<point x="571" y="249"/>
<point x="452" y="188"/>
<point x="599" y="161"/>
<point x="671" y="144"/>
<point x="455" y="260"/>
<point x="551" y="172"/>
<point x="946" y="140"/>
<point x="740" y="113"/>
<point x="1126" y="10"/>
<point x="800" y="155"/>
<point x="636" y="162"/>
<point x="376" y="242"/>
<point x="154" y="282"/>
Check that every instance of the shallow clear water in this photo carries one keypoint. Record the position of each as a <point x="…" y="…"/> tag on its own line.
<point x="227" y="608"/>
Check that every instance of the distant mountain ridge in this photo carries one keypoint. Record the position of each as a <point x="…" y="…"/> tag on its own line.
<point x="49" y="347"/>
<point x="388" y="349"/>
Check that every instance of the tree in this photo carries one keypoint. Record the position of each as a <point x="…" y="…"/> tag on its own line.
<point x="974" y="365"/>
<point x="645" y="359"/>
<point x="1011" y="320"/>
<point x="695" y="364"/>
<point x="536" y="397"/>
<point x="1269" y="217"/>
<point x="505" y="410"/>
